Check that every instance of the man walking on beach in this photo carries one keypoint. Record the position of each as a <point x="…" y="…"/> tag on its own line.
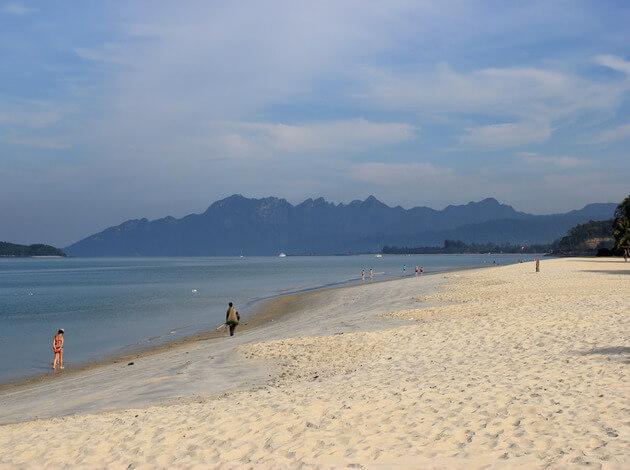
<point x="232" y="318"/>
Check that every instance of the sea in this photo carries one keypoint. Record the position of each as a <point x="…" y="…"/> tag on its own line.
<point x="110" y="306"/>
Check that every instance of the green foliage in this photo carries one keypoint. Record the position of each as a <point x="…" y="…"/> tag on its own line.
<point x="458" y="246"/>
<point x="578" y="238"/>
<point x="621" y="224"/>
<point x="13" y="249"/>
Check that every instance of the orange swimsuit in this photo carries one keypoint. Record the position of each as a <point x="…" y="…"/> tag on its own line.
<point x="57" y="345"/>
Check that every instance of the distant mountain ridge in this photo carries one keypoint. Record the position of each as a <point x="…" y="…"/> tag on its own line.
<point x="270" y="225"/>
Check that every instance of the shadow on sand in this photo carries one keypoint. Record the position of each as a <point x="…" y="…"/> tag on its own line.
<point x="621" y="353"/>
<point x="607" y="271"/>
<point x="604" y="260"/>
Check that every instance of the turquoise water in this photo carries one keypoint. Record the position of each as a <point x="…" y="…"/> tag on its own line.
<point x="107" y="305"/>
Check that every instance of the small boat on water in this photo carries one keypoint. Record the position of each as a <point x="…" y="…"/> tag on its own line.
<point x="282" y="255"/>
<point x="378" y="255"/>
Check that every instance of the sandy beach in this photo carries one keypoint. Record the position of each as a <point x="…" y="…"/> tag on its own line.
<point x="491" y="368"/>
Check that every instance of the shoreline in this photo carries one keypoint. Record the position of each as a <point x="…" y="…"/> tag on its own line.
<point x="218" y="374"/>
<point x="477" y="369"/>
<point x="262" y="311"/>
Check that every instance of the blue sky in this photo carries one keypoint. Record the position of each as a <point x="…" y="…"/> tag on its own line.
<point x="118" y="110"/>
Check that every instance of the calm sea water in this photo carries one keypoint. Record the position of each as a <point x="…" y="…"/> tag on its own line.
<point x="108" y="305"/>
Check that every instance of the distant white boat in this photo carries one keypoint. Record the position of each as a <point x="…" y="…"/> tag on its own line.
<point x="282" y="255"/>
<point x="378" y="255"/>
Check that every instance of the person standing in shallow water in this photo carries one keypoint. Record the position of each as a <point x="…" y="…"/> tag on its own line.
<point x="232" y="318"/>
<point x="57" y="347"/>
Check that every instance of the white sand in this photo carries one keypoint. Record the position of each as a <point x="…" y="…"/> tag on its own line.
<point x="515" y="369"/>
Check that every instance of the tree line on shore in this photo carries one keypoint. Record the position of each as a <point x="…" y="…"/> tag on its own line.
<point x="14" y="250"/>
<point x="460" y="247"/>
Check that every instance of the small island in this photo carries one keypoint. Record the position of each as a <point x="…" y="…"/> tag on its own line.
<point x="14" y="250"/>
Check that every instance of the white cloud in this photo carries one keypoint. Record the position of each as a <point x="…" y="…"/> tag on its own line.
<point x="341" y="136"/>
<point x="522" y="94"/>
<point x="282" y="80"/>
<point x="614" y="62"/>
<point x="507" y="135"/>
<point x="614" y="134"/>
<point x="31" y="115"/>
<point x="584" y="188"/>
<point x="15" y="8"/>
<point x="109" y="52"/>
<point x="249" y="141"/>
<point x="51" y="143"/>
<point x="534" y="101"/>
<point x="396" y="174"/>
<point x="563" y="161"/>
<point x="34" y="124"/>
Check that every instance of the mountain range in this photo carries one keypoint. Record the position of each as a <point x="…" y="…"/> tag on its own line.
<point x="270" y="225"/>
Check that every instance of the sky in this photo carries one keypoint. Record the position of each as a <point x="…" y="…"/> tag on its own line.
<point x="128" y="109"/>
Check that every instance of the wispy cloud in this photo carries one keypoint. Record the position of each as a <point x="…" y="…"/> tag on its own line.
<point x="114" y="53"/>
<point x="615" y="134"/>
<point x="497" y="136"/>
<point x="50" y="143"/>
<point x="285" y="97"/>
<point x="614" y="62"/>
<point x="534" y="100"/>
<point x="29" y="115"/>
<point x="563" y="161"/>
<point x="341" y="136"/>
<point x="259" y="141"/>
<point x="387" y="174"/>
<point x="16" y="8"/>
<point x="514" y="90"/>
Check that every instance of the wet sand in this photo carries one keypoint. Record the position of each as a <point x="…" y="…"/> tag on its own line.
<point x="492" y="368"/>
<point x="197" y="366"/>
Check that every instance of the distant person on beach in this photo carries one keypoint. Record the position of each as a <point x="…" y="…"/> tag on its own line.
<point x="421" y="269"/>
<point x="404" y="269"/>
<point x="371" y="273"/>
<point x="232" y="318"/>
<point x="537" y="265"/>
<point x="363" y="274"/>
<point x="417" y="270"/>
<point x="57" y="347"/>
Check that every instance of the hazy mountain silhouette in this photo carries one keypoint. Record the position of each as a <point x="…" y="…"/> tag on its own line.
<point x="270" y="225"/>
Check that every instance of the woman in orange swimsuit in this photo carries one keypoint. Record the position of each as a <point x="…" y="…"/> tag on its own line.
<point x="57" y="347"/>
